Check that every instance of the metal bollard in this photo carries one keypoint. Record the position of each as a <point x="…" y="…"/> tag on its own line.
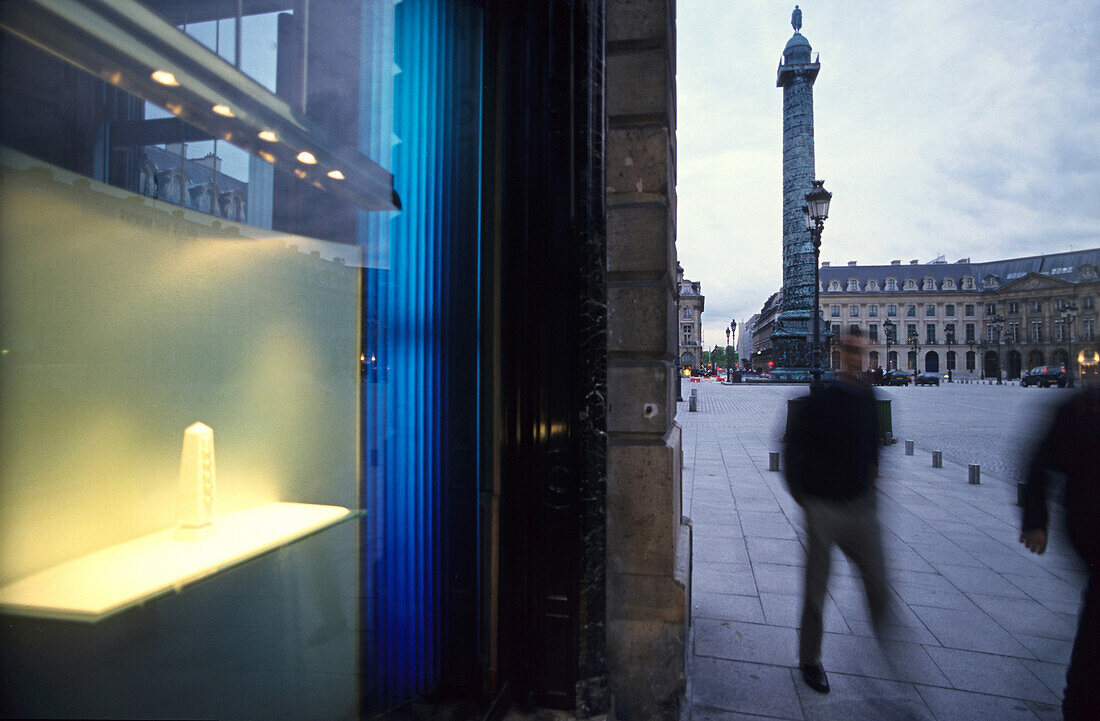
<point x="937" y="459"/>
<point x="975" y="474"/>
<point x="773" y="460"/>
<point x="693" y="399"/>
<point x="909" y="448"/>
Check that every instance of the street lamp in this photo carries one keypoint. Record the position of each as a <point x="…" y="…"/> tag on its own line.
<point x="995" y="325"/>
<point x="914" y="343"/>
<point x="731" y="354"/>
<point x="729" y="379"/>
<point x="814" y="213"/>
<point x="970" y="343"/>
<point x="1069" y="314"/>
<point x="889" y="327"/>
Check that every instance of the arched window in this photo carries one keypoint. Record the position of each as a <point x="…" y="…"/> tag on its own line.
<point x="948" y="284"/>
<point x="892" y="360"/>
<point x="970" y="364"/>
<point x="872" y="358"/>
<point x="929" y="283"/>
<point x="910" y="284"/>
<point x="891" y="284"/>
<point x="853" y="285"/>
<point x="834" y="285"/>
<point x="912" y="360"/>
<point x="968" y="283"/>
<point x="872" y="284"/>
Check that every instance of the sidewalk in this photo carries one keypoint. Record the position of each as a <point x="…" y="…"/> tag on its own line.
<point x="987" y="626"/>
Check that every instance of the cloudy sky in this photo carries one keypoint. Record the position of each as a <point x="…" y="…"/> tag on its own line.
<point x="963" y="128"/>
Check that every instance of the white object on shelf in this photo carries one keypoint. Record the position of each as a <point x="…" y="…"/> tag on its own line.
<point x="197" y="474"/>
<point x="106" y="582"/>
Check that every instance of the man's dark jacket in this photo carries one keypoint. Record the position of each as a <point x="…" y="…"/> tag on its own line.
<point x="832" y="442"/>
<point x="1071" y="449"/>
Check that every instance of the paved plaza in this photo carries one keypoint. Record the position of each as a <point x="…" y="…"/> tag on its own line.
<point x="985" y="627"/>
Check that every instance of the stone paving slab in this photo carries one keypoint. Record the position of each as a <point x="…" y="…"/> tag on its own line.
<point x="983" y="628"/>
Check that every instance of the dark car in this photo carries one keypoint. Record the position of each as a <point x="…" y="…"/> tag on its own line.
<point x="898" y="378"/>
<point x="927" y="378"/>
<point x="1045" y="377"/>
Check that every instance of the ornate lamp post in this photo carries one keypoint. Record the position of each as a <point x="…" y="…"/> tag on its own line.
<point x="1069" y="314"/>
<point x="889" y="327"/>
<point x="970" y="343"/>
<point x="995" y="326"/>
<point x="814" y="212"/>
<point x="914" y="343"/>
<point x="729" y="378"/>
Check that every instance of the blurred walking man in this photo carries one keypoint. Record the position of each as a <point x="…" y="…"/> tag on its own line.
<point x="1071" y="451"/>
<point x="831" y="462"/>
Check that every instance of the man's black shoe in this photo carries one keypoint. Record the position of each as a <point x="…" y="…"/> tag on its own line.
<point x="814" y="676"/>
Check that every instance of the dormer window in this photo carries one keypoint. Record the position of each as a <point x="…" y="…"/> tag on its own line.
<point x="872" y="284"/>
<point x="910" y="284"/>
<point x="853" y="285"/>
<point x="1088" y="271"/>
<point x="834" y="285"/>
<point x="948" y="284"/>
<point x="891" y="284"/>
<point x="968" y="283"/>
<point x="990" y="281"/>
<point x="929" y="284"/>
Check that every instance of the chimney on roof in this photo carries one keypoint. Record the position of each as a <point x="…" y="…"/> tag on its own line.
<point x="851" y="263"/>
<point x="963" y="260"/>
<point x="824" y="264"/>
<point x="914" y="261"/>
<point x="895" y="262"/>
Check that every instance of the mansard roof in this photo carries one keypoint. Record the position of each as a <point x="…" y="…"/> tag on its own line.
<point x="1061" y="266"/>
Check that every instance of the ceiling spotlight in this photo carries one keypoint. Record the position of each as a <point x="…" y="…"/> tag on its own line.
<point x="307" y="158"/>
<point x="298" y="172"/>
<point x="224" y="111"/>
<point x="266" y="156"/>
<point x="165" y="78"/>
<point x="335" y="175"/>
<point x="269" y="136"/>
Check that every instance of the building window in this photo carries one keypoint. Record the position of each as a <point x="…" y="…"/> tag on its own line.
<point x="930" y="310"/>
<point x="835" y="330"/>
<point x="834" y="285"/>
<point x="1036" y="306"/>
<point x="892" y="360"/>
<point x="891" y="284"/>
<point x="892" y="310"/>
<point x="949" y="333"/>
<point x="949" y="309"/>
<point x="853" y="285"/>
<point x="910" y="284"/>
<point x="1088" y="328"/>
<point x="1088" y="302"/>
<point x="891" y="332"/>
<point x="872" y="311"/>
<point x="1012" y="335"/>
<point x="872" y="284"/>
<point x="968" y="283"/>
<point x="948" y="284"/>
<point x="990" y="332"/>
<point x="969" y="310"/>
<point x="872" y="357"/>
<point x="950" y="360"/>
<point x="1036" y="331"/>
<point x="853" y="311"/>
<point x="970" y="333"/>
<point x="686" y="332"/>
<point x="929" y="284"/>
<point x="687" y="312"/>
<point x="872" y="332"/>
<point x="834" y="311"/>
<point x="912" y="359"/>
<point x="853" y="328"/>
<point x="970" y="360"/>
<point x="911" y="333"/>
<point x="910" y="311"/>
<point x="1014" y="308"/>
<point x="1060" y="332"/>
<point x="930" y="333"/>
<point x="991" y="309"/>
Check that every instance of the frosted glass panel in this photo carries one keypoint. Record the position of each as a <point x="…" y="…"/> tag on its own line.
<point x="123" y="320"/>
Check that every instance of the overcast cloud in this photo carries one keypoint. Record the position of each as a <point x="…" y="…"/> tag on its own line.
<point x="967" y="128"/>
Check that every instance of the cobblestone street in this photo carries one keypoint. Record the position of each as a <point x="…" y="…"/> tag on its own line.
<point x="985" y="627"/>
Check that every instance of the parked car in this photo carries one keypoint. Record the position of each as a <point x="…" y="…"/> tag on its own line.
<point x="898" y="378"/>
<point x="928" y="378"/>
<point x="1045" y="377"/>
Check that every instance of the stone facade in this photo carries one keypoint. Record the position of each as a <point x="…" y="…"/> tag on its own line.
<point x="648" y="541"/>
<point x="796" y="75"/>
<point x="690" y="314"/>
<point x="977" y="320"/>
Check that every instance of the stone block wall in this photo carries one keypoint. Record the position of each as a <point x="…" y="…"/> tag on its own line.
<point x="648" y="541"/>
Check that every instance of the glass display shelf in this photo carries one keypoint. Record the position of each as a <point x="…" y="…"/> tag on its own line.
<point x="104" y="583"/>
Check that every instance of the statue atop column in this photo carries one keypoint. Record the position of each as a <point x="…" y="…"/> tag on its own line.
<point x="796" y="19"/>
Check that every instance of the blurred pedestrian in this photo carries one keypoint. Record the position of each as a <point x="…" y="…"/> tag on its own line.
<point x="831" y="464"/>
<point x="1070" y="451"/>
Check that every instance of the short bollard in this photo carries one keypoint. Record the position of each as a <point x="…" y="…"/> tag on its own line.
<point x="693" y="399"/>
<point x="909" y="448"/>
<point x="773" y="460"/>
<point x="937" y="459"/>
<point x="975" y="474"/>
